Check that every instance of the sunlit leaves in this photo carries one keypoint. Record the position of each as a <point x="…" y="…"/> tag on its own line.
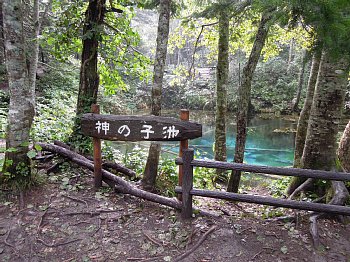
<point x="119" y="59"/>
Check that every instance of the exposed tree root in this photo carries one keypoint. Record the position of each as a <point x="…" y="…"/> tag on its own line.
<point x="58" y="244"/>
<point x="197" y="245"/>
<point x="341" y="194"/>
<point x="302" y="187"/>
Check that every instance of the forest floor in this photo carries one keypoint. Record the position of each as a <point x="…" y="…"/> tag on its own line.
<point x="65" y="219"/>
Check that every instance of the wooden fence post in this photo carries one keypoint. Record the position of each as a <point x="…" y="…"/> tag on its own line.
<point x="187" y="184"/>
<point x="97" y="153"/>
<point x="185" y="116"/>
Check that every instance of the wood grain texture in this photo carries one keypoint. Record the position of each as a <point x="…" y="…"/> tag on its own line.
<point x="334" y="209"/>
<point x="138" y="128"/>
<point x="282" y="171"/>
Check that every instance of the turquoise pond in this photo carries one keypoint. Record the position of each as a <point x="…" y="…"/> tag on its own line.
<point x="264" y="145"/>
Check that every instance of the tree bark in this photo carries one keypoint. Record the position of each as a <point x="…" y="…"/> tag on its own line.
<point x="300" y="81"/>
<point x="222" y="70"/>
<point x="2" y="44"/>
<point x="320" y="144"/>
<point x="344" y="149"/>
<point x="89" y="78"/>
<point x="244" y="99"/>
<point x="21" y="108"/>
<point x="290" y="55"/>
<point x="151" y="169"/>
<point x="303" y="122"/>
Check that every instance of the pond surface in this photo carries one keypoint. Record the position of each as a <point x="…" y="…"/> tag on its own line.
<point x="264" y="145"/>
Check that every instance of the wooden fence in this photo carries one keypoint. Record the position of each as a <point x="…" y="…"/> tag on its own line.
<point x="187" y="161"/>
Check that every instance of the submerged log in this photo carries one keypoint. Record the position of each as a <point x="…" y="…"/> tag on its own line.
<point x="118" y="183"/>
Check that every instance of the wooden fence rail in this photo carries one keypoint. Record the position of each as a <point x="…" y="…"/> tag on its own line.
<point x="187" y="190"/>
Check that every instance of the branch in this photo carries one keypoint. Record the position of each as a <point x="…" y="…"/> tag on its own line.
<point x="195" y="48"/>
<point x="302" y="187"/>
<point x="201" y="240"/>
<point x="113" y="28"/>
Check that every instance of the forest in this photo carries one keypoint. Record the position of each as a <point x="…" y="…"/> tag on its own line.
<point x="258" y="90"/>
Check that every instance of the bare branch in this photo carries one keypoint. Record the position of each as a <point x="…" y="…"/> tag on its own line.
<point x="195" y="48"/>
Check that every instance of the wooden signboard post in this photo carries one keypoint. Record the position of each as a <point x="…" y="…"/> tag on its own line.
<point x="136" y="128"/>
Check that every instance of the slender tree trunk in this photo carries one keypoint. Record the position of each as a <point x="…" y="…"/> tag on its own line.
<point x="151" y="169"/>
<point x="300" y="81"/>
<point x="2" y="44"/>
<point x="222" y="70"/>
<point x="21" y="108"/>
<point x="320" y="144"/>
<point x="305" y="112"/>
<point x="303" y="122"/>
<point x="244" y="99"/>
<point x="344" y="149"/>
<point x="290" y="55"/>
<point x="89" y="78"/>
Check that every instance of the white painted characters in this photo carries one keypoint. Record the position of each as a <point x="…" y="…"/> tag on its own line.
<point x="147" y="130"/>
<point x="124" y="130"/>
<point x="170" y="132"/>
<point x="104" y="126"/>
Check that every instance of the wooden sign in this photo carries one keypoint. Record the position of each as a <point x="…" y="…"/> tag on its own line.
<point x="138" y="128"/>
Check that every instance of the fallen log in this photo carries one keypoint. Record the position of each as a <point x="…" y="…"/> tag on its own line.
<point x="106" y="164"/>
<point x="116" y="182"/>
<point x="116" y="167"/>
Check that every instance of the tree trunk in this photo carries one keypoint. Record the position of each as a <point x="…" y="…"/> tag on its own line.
<point x="2" y="44"/>
<point x="320" y="144"/>
<point x="21" y="108"/>
<point x="344" y="149"/>
<point x="151" y="169"/>
<point x="244" y="99"/>
<point x="89" y="79"/>
<point x="305" y="112"/>
<point x="290" y="55"/>
<point x="222" y="70"/>
<point x="300" y="81"/>
<point x="303" y="121"/>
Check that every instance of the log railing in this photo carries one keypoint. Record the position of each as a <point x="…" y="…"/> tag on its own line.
<point x="187" y="161"/>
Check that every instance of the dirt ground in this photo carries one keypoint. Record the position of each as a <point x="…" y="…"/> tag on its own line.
<point x="64" y="219"/>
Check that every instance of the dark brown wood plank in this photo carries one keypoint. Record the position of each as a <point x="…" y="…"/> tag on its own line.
<point x="187" y="169"/>
<point x="334" y="209"/>
<point x="282" y="171"/>
<point x="138" y="128"/>
<point x="97" y="153"/>
<point x="185" y="116"/>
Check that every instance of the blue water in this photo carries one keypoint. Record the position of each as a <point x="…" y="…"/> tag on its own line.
<point x="263" y="146"/>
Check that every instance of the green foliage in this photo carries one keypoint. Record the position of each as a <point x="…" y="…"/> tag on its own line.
<point x="135" y="160"/>
<point x="4" y="103"/>
<point x="56" y="106"/>
<point x="204" y="177"/>
<point x="272" y="87"/>
<point x="167" y="179"/>
<point x="278" y="187"/>
<point x="24" y="177"/>
<point x="118" y="57"/>
<point x="327" y="22"/>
